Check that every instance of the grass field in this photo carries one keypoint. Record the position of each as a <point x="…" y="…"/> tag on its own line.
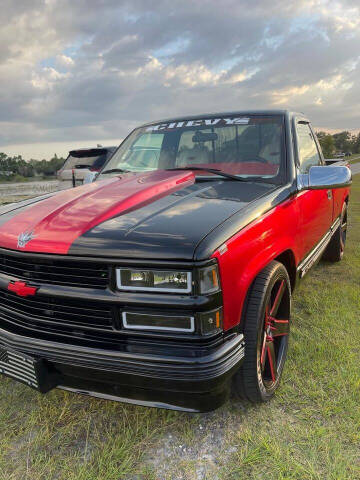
<point x="311" y="430"/>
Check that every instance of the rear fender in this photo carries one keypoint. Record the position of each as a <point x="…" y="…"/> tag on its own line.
<point x="340" y="195"/>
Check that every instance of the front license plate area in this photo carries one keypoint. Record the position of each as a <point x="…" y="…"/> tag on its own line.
<point x="25" y="369"/>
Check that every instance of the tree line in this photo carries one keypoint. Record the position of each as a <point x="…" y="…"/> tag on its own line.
<point x="17" y="169"/>
<point x="342" y="142"/>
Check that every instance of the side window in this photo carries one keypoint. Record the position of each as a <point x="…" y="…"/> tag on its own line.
<point x="308" y="152"/>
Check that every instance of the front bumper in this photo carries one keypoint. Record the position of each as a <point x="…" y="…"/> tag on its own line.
<point x="186" y="381"/>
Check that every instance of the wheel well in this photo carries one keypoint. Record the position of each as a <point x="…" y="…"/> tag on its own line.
<point x="288" y="260"/>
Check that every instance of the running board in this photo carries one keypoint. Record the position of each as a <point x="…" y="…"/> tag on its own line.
<point x="319" y="249"/>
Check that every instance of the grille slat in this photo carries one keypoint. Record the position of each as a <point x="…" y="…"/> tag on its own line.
<point x="55" y="264"/>
<point x="44" y="313"/>
<point x="73" y="309"/>
<point x="47" y="311"/>
<point x="43" y="330"/>
<point x="42" y="324"/>
<point x="55" y="271"/>
<point x="32" y="273"/>
<point x="19" y="368"/>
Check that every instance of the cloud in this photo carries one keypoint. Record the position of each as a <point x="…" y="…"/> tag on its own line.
<point x="72" y="71"/>
<point x="64" y="61"/>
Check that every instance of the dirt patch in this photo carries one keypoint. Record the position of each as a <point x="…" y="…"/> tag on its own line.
<point x="203" y="452"/>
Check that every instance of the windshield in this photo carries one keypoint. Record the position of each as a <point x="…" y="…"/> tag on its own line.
<point x="247" y="146"/>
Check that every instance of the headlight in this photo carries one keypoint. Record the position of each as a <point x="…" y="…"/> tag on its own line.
<point x="153" y="280"/>
<point x="209" y="279"/>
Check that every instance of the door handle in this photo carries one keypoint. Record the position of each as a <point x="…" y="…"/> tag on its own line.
<point x="329" y="194"/>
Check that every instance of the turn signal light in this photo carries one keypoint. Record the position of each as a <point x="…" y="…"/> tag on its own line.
<point x="211" y="322"/>
<point x="209" y="279"/>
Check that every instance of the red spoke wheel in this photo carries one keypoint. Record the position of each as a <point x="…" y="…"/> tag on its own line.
<point x="266" y="331"/>
<point x="275" y="335"/>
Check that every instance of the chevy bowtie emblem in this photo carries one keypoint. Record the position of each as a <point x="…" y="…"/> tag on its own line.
<point x="25" y="238"/>
<point x="21" y="288"/>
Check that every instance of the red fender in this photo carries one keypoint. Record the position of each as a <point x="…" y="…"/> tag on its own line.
<point x="245" y="254"/>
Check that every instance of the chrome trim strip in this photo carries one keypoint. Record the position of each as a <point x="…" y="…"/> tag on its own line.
<point x="113" y="398"/>
<point x="305" y="265"/>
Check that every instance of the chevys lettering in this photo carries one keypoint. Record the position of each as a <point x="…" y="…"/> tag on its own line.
<point x="207" y="122"/>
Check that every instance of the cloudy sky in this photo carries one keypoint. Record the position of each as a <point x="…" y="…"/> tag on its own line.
<point x="82" y="72"/>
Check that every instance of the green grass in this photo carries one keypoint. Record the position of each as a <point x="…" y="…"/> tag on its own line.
<point x="311" y="430"/>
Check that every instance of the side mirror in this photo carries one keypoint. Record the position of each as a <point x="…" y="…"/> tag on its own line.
<point x="332" y="176"/>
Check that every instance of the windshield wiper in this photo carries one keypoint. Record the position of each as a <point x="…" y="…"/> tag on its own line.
<point x="211" y="170"/>
<point x="115" y="170"/>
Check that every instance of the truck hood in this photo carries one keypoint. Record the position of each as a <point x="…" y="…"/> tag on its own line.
<point x="157" y="215"/>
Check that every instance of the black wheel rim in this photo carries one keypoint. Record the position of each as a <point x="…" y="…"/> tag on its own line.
<point x="275" y="333"/>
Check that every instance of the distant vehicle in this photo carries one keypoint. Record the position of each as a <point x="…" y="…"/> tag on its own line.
<point x="83" y="162"/>
<point x="339" y="155"/>
<point x="348" y="154"/>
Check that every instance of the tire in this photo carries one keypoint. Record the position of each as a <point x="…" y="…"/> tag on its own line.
<point x="266" y="332"/>
<point x="335" y="250"/>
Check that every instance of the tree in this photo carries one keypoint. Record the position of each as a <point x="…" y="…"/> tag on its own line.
<point x="11" y="167"/>
<point x="327" y="144"/>
<point x="343" y="141"/>
<point x="356" y="143"/>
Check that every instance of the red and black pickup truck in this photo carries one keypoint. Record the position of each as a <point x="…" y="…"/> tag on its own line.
<point x="169" y="279"/>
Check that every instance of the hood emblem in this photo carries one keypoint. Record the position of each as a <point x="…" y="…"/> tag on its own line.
<point x="24" y="238"/>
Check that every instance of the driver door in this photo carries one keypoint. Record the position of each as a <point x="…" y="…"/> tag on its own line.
<point x="315" y="206"/>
